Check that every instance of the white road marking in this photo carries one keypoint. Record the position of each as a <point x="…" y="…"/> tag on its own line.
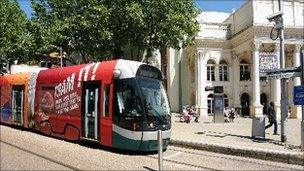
<point x="170" y="156"/>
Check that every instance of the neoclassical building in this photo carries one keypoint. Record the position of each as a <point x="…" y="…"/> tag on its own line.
<point x="227" y="53"/>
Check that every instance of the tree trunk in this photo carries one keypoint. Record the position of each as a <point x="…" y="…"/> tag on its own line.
<point x="163" y="59"/>
<point x="148" y="55"/>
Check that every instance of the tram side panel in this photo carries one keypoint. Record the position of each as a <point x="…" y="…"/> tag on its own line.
<point x="68" y="102"/>
<point x="6" y="104"/>
<point x="14" y="101"/>
<point x="57" y="104"/>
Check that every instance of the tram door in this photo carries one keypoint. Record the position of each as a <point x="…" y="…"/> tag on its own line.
<point x="17" y="104"/>
<point x="1" y="107"/>
<point x="90" y="110"/>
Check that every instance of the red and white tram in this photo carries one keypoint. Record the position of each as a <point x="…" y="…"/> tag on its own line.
<point x="118" y="103"/>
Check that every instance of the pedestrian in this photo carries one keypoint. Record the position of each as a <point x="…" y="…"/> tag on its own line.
<point x="185" y="115"/>
<point x="231" y="115"/>
<point x="193" y="112"/>
<point x="272" y="118"/>
<point x="226" y="114"/>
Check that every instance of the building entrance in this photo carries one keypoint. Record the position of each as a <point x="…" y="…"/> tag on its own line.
<point x="264" y="102"/>
<point x="245" y="104"/>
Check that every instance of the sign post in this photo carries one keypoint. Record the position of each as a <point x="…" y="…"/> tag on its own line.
<point x="279" y="28"/>
<point x="302" y="82"/>
<point x="160" y="150"/>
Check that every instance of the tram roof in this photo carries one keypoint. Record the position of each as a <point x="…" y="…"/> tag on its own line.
<point x="127" y="68"/>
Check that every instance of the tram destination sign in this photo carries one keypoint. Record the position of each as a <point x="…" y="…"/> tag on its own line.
<point x="284" y="73"/>
<point x="298" y="96"/>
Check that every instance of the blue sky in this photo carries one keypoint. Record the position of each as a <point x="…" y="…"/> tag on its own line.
<point x="205" y="5"/>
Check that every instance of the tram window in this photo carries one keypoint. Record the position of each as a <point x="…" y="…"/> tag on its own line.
<point x="106" y="100"/>
<point x="128" y="99"/>
<point x="47" y="102"/>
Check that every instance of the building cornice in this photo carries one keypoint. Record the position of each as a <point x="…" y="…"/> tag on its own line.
<point x="243" y="40"/>
<point x="213" y="43"/>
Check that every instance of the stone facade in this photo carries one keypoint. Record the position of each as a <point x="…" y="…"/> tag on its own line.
<point x="227" y="53"/>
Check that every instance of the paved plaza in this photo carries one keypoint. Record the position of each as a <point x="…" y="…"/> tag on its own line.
<point x="237" y="134"/>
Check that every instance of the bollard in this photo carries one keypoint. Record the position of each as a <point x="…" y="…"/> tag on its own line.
<point x="160" y="150"/>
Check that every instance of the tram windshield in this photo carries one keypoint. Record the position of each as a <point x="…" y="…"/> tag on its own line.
<point x="141" y="102"/>
<point x="134" y="96"/>
<point x="154" y="97"/>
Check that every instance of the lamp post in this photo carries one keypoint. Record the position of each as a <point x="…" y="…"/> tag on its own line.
<point x="283" y="95"/>
<point x="279" y="27"/>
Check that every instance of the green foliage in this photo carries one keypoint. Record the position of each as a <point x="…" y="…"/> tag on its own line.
<point x="97" y="29"/>
<point x="15" y="42"/>
<point x="77" y="26"/>
<point x="149" y="25"/>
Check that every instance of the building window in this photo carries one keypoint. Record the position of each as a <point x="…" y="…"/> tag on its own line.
<point x="210" y="103"/>
<point x="224" y="71"/>
<point x="244" y="71"/>
<point x="210" y="70"/>
<point x="226" y="100"/>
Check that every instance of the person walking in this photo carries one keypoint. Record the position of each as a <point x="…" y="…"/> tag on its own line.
<point x="272" y="118"/>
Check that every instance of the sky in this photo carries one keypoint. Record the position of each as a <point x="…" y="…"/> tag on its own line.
<point x="205" y="5"/>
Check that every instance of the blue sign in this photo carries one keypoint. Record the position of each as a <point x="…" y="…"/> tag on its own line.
<point x="298" y="95"/>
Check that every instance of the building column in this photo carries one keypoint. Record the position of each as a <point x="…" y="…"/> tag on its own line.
<point x="256" y="107"/>
<point x="201" y="100"/>
<point x="236" y="80"/>
<point x="197" y="81"/>
<point x="296" y="109"/>
<point x="204" y="94"/>
<point x="276" y="86"/>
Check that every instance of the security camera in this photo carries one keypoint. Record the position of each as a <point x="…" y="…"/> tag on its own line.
<point x="275" y="16"/>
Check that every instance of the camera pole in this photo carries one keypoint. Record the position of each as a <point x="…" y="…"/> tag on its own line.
<point x="283" y="80"/>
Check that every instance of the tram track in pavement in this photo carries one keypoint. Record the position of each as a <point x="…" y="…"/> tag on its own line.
<point x="41" y="156"/>
<point x="77" y="169"/>
<point x="183" y="150"/>
<point x="168" y="159"/>
<point x="173" y="155"/>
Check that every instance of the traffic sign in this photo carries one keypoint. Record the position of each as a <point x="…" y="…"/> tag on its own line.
<point x="298" y="95"/>
<point x="284" y="73"/>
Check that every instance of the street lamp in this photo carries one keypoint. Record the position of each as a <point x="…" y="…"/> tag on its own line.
<point x="60" y="51"/>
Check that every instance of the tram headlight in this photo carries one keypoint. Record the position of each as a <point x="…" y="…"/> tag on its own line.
<point x="151" y="125"/>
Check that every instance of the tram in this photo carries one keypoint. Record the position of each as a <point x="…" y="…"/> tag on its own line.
<point x="119" y="103"/>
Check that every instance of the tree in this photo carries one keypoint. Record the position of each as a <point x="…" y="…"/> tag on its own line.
<point x="14" y="38"/>
<point x="77" y="26"/>
<point x="99" y="28"/>
<point x="154" y="24"/>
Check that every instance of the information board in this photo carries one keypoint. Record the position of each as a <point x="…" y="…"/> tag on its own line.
<point x="298" y="95"/>
<point x="218" y="109"/>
